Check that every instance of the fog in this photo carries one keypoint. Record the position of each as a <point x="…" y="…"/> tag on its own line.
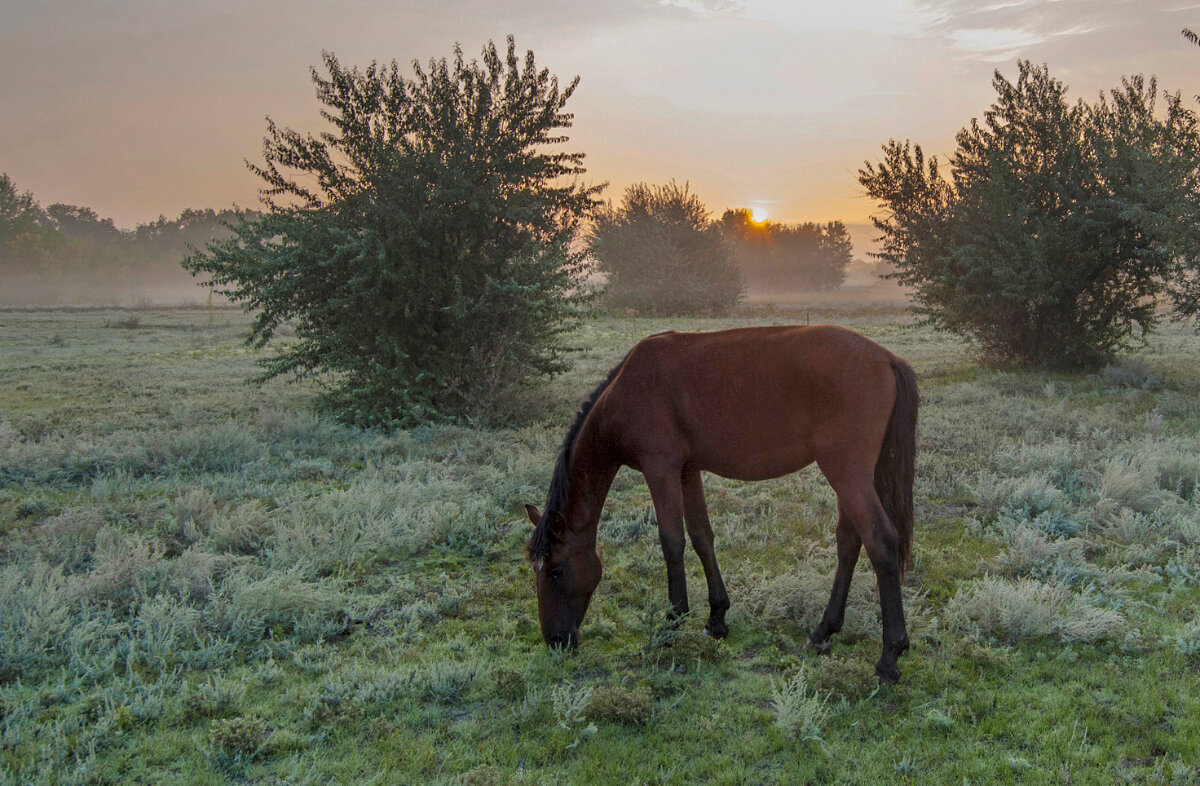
<point x="69" y="255"/>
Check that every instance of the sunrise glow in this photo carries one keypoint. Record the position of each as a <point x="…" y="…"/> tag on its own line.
<point x="758" y="215"/>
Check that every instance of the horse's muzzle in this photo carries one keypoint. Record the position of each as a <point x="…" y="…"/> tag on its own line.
<point x="566" y="641"/>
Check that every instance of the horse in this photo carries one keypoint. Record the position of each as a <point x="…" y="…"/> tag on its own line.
<point x="750" y="404"/>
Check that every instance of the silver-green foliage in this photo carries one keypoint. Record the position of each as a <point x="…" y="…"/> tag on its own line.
<point x="800" y="711"/>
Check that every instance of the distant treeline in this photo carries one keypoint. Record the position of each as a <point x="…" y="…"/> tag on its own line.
<point x="69" y="254"/>
<point x="804" y="256"/>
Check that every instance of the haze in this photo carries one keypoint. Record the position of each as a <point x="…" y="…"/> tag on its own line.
<point x="139" y="109"/>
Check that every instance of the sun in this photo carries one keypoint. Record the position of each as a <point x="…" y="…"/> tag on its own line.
<point x="758" y="215"/>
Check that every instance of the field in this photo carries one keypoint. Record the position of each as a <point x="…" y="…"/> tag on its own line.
<point x="201" y="581"/>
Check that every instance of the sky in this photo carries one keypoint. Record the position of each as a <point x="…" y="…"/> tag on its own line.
<point x="139" y="109"/>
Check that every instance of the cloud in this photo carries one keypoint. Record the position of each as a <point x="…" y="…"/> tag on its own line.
<point x="706" y="7"/>
<point x="1007" y="29"/>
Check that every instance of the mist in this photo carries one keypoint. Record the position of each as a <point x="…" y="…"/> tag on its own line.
<point x="68" y="255"/>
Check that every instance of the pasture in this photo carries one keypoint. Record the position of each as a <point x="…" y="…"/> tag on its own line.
<point x="202" y="581"/>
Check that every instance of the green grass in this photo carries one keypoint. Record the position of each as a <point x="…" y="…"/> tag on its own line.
<point x="201" y="581"/>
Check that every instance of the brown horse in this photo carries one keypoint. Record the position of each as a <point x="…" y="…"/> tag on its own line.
<point x="749" y="404"/>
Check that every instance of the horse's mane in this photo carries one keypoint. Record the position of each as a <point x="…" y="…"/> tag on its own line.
<point x="556" y="500"/>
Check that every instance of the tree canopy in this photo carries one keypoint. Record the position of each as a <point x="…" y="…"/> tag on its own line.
<point x="421" y="245"/>
<point x="1063" y="225"/>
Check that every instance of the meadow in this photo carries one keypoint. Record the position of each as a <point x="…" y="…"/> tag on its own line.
<point x="202" y="581"/>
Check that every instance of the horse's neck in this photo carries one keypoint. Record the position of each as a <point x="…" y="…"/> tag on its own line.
<point x="592" y="472"/>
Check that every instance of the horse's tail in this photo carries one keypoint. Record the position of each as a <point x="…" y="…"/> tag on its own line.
<point x="896" y="466"/>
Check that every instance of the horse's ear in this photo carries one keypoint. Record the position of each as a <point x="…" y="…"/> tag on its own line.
<point x="534" y="514"/>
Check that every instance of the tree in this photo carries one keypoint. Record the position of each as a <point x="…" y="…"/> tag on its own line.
<point x="1062" y="226"/>
<point x="26" y="240"/>
<point x="805" y="256"/>
<point x="423" y="249"/>
<point x="663" y="254"/>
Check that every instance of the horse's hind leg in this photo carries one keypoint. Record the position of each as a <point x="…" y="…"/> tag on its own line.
<point x="700" y="531"/>
<point x="848" y="546"/>
<point x="859" y="502"/>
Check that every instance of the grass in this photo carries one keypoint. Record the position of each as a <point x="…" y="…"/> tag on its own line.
<point x="203" y="582"/>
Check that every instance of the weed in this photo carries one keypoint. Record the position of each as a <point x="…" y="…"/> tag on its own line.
<point x="799" y="711"/>
<point x="619" y="704"/>
<point x="1186" y="640"/>
<point x="243" y="530"/>
<point x="848" y="677"/>
<point x="570" y="711"/>
<point x="234" y="742"/>
<point x="1131" y="373"/>
<point x="445" y="681"/>
<point x="1029" y="608"/>
<point x="212" y="696"/>
<point x="510" y="685"/>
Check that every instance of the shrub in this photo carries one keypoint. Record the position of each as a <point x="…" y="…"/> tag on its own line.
<point x="240" y="736"/>
<point x="247" y="606"/>
<point x="1027" y="608"/>
<point x="423" y="251"/>
<point x="799" y="711"/>
<point x="118" y="563"/>
<point x="1186" y="640"/>
<point x="619" y="704"/>
<point x="163" y="627"/>
<point x="663" y="254"/>
<point x="243" y="530"/>
<point x="214" y="696"/>
<point x="570" y="705"/>
<point x="36" y="614"/>
<point x="848" y="677"/>
<point x="1061" y="226"/>
<point x="445" y="681"/>
<point x="798" y="598"/>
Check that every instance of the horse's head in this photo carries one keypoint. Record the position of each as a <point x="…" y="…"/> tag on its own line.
<point x="567" y="570"/>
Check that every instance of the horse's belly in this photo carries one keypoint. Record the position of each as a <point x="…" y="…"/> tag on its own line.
<point x="754" y="466"/>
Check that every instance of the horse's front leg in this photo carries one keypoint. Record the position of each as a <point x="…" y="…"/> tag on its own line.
<point x="667" y="494"/>
<point x="700" y="531"/>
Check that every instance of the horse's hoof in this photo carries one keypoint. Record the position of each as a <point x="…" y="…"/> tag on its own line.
<point x="888" y="675"/>
<point x="819" y="647"/>
<point x="717" y="630"/>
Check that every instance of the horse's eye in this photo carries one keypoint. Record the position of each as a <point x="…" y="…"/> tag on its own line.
<point x="556" y="573"/>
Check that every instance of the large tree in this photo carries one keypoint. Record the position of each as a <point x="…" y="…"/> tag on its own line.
<point x="664" y="254"/>
<point x="1062" y="226"/>
<point x="422" y="245"/>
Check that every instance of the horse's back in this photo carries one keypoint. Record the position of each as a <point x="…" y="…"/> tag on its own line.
<point x="750" y="403"/>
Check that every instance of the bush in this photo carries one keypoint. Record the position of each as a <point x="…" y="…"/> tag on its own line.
<point x="799" y="711"/>
<point x="1028" y="608"/>
<point x="424" y="249"/>
<point x="619" y="704"/>
<point x="663" y="255"/>
<point x="1061" y="227"/>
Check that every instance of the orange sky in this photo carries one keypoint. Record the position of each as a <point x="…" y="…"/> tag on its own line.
<point x="138" y="108"/>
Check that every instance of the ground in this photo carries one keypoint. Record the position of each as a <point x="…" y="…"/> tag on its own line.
<point x="203" y="581"/>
